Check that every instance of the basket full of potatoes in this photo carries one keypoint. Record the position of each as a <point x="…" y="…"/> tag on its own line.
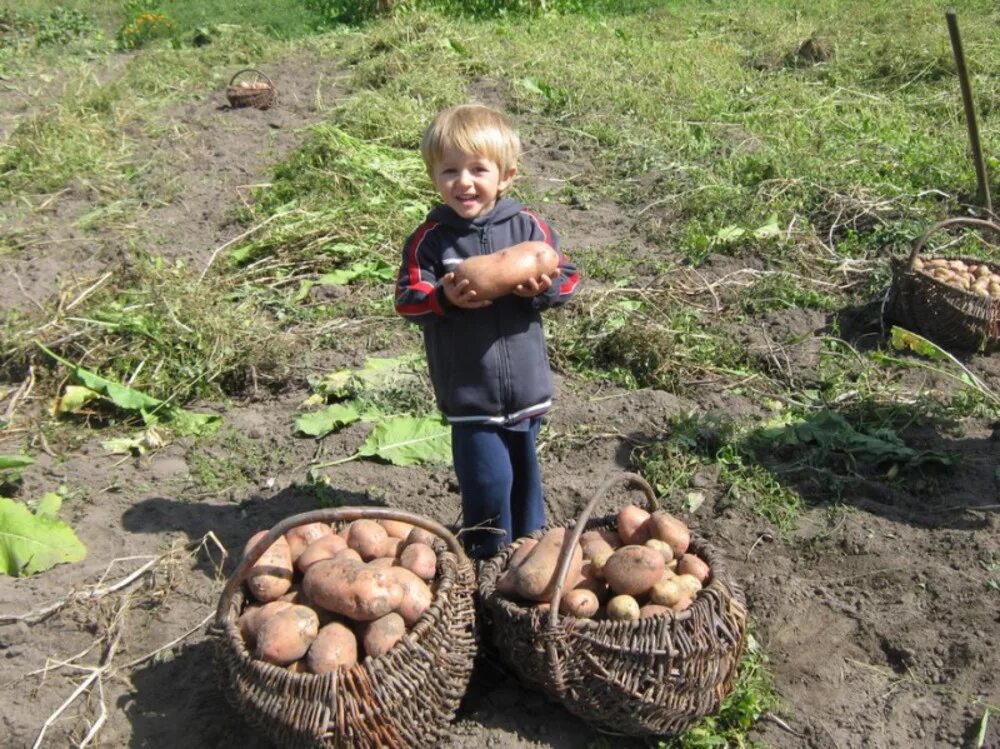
<point x="349" y="627"/>
<point x="629" y="620"/>
<point x="953" y="301"/>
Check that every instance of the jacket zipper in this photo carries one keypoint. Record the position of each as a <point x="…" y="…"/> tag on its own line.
<point x="503" y="357"/>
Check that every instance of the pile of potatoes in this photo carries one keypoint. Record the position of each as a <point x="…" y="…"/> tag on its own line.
<point x="977" y="279"/>
<point x="642" y="569"/>
<point x="324" y="599"/>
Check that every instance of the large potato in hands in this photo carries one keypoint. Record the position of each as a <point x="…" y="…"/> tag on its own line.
<point x="352" y="589"/>
<point x="499" y="273"/>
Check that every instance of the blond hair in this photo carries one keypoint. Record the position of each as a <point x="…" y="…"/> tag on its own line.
<point x="474" y="129"/>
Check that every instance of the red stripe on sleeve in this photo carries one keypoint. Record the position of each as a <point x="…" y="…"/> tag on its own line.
<point x="413" y="267"/>
<point x="546" y="232"/>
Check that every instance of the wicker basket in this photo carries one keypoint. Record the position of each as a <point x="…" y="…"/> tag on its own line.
<point x="257" y="90"/>
<point x="652" y="677"/>
<point x="954" y="319"/>
<point x="405" y="698"/>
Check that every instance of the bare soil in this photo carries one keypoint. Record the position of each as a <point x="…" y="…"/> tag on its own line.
<point x="879" y="621"/>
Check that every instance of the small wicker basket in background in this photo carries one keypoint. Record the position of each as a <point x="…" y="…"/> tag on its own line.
<point x="251" y="88"/>
<point x="955" y="319"/>
<point x="405" y="698"/>
<point x="649" y="677"/>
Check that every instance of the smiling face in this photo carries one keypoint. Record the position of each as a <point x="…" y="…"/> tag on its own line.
<point x="469" y="183"/>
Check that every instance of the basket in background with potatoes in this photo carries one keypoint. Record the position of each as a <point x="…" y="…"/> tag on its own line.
<point x="629" y="620"/>
<point x="953" y="301"/>
<point x="349" y="627"/>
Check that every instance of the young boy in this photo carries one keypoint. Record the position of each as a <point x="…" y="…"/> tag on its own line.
<point x="488" y="362"/>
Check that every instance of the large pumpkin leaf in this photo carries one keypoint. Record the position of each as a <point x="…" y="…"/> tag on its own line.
<point x="409" y="440"/>
<point x="33" y="542"/>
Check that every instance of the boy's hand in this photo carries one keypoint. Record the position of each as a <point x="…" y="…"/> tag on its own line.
<point x="460" y="294"/>
<point x="534" y="286"/>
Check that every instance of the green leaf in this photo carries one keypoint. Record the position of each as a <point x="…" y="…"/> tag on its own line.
<point x="457" y="47"/>
<point x="74" y="398"/>
<point x="694" y="500"/>
<point x="768" y="230"/>
<point x="49" y="505"/>
<point x="376" y="373"/>
<point x="368" y="270"/>
<point x="15" y="461"/>
<point x="905" y="340"/>
<point x="152" y="410"/>
<point x="728" y="234"/>
<point x="409" y="440"/>
<point x="330" y="419"/>
<point x="981" y="733"/>
<point x="31" y="543"/>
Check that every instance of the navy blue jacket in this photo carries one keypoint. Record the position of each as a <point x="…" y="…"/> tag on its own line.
<point x="488" y="365"/>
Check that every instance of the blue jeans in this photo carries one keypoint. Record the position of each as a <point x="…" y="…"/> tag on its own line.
<point x="501" y="484"/>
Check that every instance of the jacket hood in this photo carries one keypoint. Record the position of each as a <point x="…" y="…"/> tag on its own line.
<point x="505" y="208"/>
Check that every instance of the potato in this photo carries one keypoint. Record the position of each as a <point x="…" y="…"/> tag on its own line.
<point x="580" y="603"/>
<point x="690" y="583"/>
<point x="623" y="608"/>
<point x="420" y="536"/>
<point x="633" y="570"/>
<point x="665" y="527"/>
<point x="254" y="616"/>
<point x="334" y="647"/>
<point x="348" y="554"/>
<point x="689" y="564"/>
<point x="589" y="581"/>
<point x="684" y="603"/>
<point x="347" y="587"/>
<point x="536" y="576"/>
<point x="367" y="538"/>
<point x="393" y="546"/>
<point x="322" y="548"/>
<point x="499" y="273"/>
<point x="651" y="609"/>
<point x="397" y="528"/>
<point x="668" y="592"/>
<point x="420" y="559"/>
<point x="382" y="562"/>
<point x="524" y="548"/>
<point x="417" y="596"/>
<point x="271" y="576"/>
<point x="632" y="527"/>
<point x="610" y="537"/>
<point x="286" y="636"/>
<point x="382" y="634"/>
<point x="299" y="538"/>
<point x="663" y="548"/>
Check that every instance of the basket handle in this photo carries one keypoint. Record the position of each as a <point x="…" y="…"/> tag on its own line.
<point x="566" y="553"/>
<point x="238" y="73"/>
<point x="959" y="221"/>
<point x="328" y="515"/>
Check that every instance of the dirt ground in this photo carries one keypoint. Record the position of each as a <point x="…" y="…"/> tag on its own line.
<point x="881" y="628"/>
